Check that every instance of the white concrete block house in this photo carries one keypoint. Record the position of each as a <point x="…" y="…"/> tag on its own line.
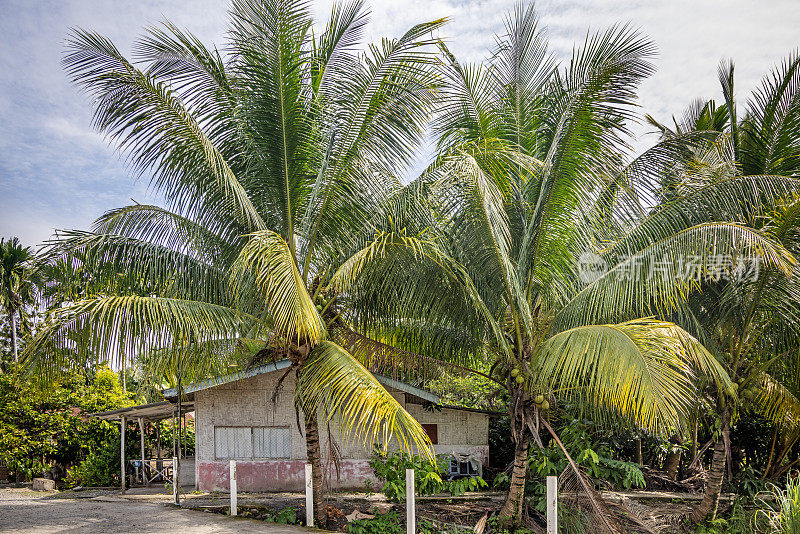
<point x="236" y="418"/>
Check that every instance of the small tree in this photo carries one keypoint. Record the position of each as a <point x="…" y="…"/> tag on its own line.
<point x="18" y="286"/>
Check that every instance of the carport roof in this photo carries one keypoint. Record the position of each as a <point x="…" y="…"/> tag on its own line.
<point x="149" y="412"/>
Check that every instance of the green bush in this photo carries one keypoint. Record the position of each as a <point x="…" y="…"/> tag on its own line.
<point x="428" y="480"/>
<point x="595" y="457"/>
<point x="100" y="468"/>
<point x="388" y="523"/>
<point x="44" y="424"/>
<point x="287" y="516"/>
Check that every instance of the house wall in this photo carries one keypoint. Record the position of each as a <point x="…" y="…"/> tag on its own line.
<point x="248" y="402"/>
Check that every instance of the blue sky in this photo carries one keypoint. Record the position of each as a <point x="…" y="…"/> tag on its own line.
<point x="55" y="172"/>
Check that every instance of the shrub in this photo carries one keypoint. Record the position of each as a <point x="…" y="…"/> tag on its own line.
<point x="100" y="468"/>
<point x="388" y="523"/>
<point x="428" y="479"/>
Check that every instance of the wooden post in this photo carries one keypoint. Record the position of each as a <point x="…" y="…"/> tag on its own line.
<point x="411" y="512"/>
<point x="552" y="505"/>
<point x="122" y="452"/>
<point x="234" y="498"/>
<point x="309" y="497"/>
<point x="175" y="498"/>
<point x="145" y="480"/>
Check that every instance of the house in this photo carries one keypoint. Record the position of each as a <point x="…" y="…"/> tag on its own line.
<point x="236" y="418"/>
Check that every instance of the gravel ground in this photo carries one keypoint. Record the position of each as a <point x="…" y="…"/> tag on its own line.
<point x="24" y="511"/>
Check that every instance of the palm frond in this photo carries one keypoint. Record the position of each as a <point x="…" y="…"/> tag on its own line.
<point x="658" y="278"/>
<point x="266" y="263"/>
<point x="147" y="118"/>
<point x="356" y="402"/>
<point x="643" y="370"/>
<point x="115" y="329"/>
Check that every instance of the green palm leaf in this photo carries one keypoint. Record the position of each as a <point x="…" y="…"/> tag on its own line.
<point x="356" y="402"/>
<point x="643" y="370"/>
<point x="267" y="264"/>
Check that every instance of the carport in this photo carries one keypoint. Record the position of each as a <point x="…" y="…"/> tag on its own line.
<point x="158" y="469"/>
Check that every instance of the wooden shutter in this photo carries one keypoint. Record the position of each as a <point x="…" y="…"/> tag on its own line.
<point x="433" y="433"/>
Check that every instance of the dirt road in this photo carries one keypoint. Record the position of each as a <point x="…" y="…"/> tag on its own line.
<point x="24" y="511"/>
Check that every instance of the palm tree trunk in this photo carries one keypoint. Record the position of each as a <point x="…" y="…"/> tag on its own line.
<point x="13" y="322"/>
<point x="512" y="508"/>
<point x="771" y="453"/>
<point x="708" y="506"/>
<point x="673" y="461"/>
<point x="314" y="456"/>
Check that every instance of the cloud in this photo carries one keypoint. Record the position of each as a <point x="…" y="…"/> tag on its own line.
<point x="56" y="172"/>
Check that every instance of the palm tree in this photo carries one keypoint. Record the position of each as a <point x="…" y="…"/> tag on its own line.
<point x="18" y="285"/>
<point x="277" y="162"/>
<point x="749" y="322"/>
<point x="531" y="176"/>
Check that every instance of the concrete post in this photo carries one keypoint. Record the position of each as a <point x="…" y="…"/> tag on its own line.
<point x="411" y="508"/>
<point x="552" y="505"/>
<point x="234" y="497"/>
<point x="309" y="497"/>
<point x="122" y="452"/>
<point x="175" y="481"/>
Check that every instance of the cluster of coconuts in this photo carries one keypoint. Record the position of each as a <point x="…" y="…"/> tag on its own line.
<point x="319" y="303"/>
<point x="541" y="402"/>
<point x="747" y="394"/>
<point x="539" y="399"/>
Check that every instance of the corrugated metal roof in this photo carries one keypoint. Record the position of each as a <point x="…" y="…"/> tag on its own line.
<point x="285" y="364"/>
<point x="233" y="377"/>
<point x="150" y="412"/>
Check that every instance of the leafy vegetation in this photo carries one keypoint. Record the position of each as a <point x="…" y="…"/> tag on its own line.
<point x="383" y="523"/>
<point x="47" y="429"/>
<point x="429" y="476"/>
<point x="288" y="231"/>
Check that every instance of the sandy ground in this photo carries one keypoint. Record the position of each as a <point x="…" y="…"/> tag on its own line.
<point x="25" y="511"/>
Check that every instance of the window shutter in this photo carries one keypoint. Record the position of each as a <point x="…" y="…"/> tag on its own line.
<point x="232" y="442"/>
<point x="271" y="442"/>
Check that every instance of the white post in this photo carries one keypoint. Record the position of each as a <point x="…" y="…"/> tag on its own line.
<point x="234" y="498"/>
<point x="552" y="505"/>
<point x="145" y="480"/>
<point x="174" y="480"/>
<point x="309" y="497"/>
<point x="411" y="511"/>
<point x="122" y="452"/>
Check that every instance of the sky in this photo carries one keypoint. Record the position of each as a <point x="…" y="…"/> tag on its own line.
<point x="57" y="173"/>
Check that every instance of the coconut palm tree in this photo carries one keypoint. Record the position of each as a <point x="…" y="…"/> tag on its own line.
<point x="749" y="322"/>
<point x="530" y="178"/>
<point x="18" y="286"/>
<point x="277" y="161"/>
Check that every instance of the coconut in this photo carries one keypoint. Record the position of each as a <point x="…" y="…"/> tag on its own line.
<point x="514" y="372"/>
<point x="545" y="405"/>
<point x="520" y="379"/>
<point x="539" y="399"/>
